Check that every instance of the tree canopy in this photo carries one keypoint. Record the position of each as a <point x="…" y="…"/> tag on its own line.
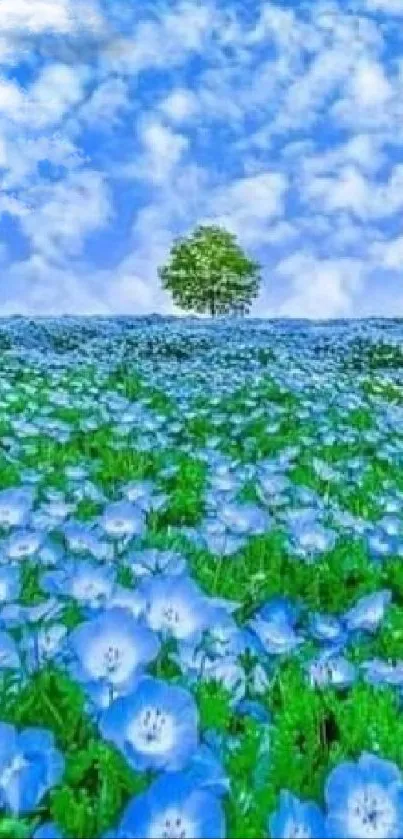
<point x="208" y="272"/>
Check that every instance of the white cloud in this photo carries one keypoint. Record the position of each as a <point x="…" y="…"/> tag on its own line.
<point x="11" y="98"/>
<point x="163" y="150"/>
<point x="36" y="16"/>
<point x="64" y="213"/>
<point x="320" y="288"/>
<point x="368" y="85"/>
<point x="247" y="206"/>
<point x="180" y="105"/>
<point x="388" y="7"/>
<point x="178" y="31"/>
<point x="389" y="254"/>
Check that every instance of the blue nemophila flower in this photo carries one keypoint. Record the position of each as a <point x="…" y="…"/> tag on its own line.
<point x="368" y="612"/>
<point x="331" y="669"/>
<point x="89" y="584"/>
<point x="176" y="808"/>
<point x="272" y="486"/>
<point x="206" y="771"/>
<point x="175" y="606"/>
<point x="380" y="544"/>
<point x="222" y="639"/>
<point x="154" y="561"/>
<point x="143" y="494"/>
<point x="15" y="507"/>
<point x="30" y="765"/>
<point x="155" y="727"/>
<point x="111" y="648"/>
<point x="22" y="544"/>
<point x="122" y="520"/>
<point x="52" y="514"/>
<point x="10" y="584"/>
<point x="327" y="628"/>
<point x="82" y="538"/>
<point x="391" y="525"/>
<point x="50" y="554"/>
<point x="244" y="519"/>
<point x="379" y="672"/>
<point x="223" y="482"/>
<point x="279" y="608"/>
<point x="309" y="539"/>
<point x="13" y="615"/>
<point x="297" y="819"/>
<point x="9" y="655"/>
<point x="128" y="599"/>
<point x="43" y="645"/>
<point x="274" y="626"/>
<point x="365" y="799"/>
<point x="276" y="636"/>
<point x="220" y="542"/>
<point x="76" y="473"/>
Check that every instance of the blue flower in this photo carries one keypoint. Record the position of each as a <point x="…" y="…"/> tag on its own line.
<point x="327" y="628"/>
<point x="368" y="612"/>
<point x="295" y="819"/>
<point x="43" y="645"/>
<point x="155" y="727"/>
<point x="206" y="771"/>
<point x="365" y="800"/>
<point x="174" y="807"/>
<point x="331" y="669"/>
<point x="279" y="608"/>
<point x="82" y="538"/>
<point x="380" y="544"/>
<point x="22" y="544"/>
<point x="378" y="672"/>
<point x="111" y="648"/>
<point x="143" y="494"/>
<point x="244" y="519"/>
<point x="154" y="561"/>
<point x="122" y="520"/>
<point x="10" y="583"/>
<point x="276" y="633"/>
<point x="89" y="584"/>
<point x="308" y="539"/>
<point x="218" y="540"/>
<point x="175" y="606"/>
<point x="9" y="656"/>
<point x="30" y="765"/>
<point x="15" y="506"/>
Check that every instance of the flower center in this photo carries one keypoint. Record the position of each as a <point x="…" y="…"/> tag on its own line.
<point x="295" y="830"/>
<point x="152" y="731"/>
<point x="172" y="825"/>
<point x="373" y="814"/>
<point x="112" y="658"/>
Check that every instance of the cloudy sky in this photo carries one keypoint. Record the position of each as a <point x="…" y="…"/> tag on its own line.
<point x="125" y="124"/>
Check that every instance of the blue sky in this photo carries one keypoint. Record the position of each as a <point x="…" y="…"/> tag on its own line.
<point x="124" y="125"/>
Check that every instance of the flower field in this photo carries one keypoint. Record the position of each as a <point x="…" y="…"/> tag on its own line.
<point x="201" y="578"/>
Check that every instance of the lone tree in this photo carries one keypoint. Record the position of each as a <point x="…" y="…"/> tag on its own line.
<point x="208" y="272"/>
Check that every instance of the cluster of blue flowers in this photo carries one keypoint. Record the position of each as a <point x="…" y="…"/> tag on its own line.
<point x="137" y="604"/>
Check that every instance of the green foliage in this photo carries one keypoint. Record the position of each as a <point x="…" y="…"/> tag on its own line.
<point x="99" y="773"/>
<point x="208" y="272"/>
